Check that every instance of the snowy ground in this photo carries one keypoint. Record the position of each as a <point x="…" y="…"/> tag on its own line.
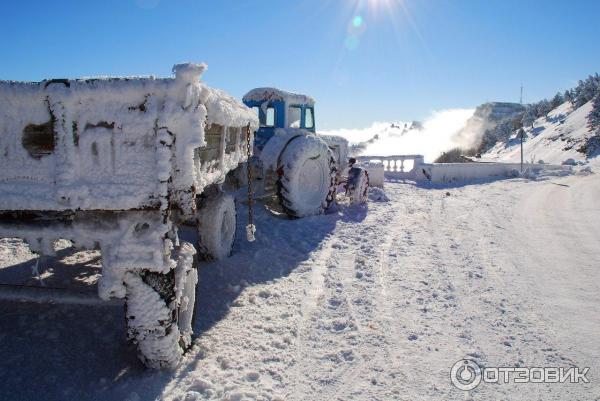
<point x="553" y="139"/>
<point x="373" y="303"/>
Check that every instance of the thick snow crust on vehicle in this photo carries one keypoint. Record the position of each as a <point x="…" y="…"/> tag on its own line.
<point x="273" y="94"/>
<point x="306" y="170"/>
<point x="216" y="227"/>
<point x="128" y="241"/>
<point x="271" y="153"/>
<point x="110" y="143"/>
<point x="339" y="147"/>
<point x="272" y="150"/>
<point x="160" y="346"/>
<point x="334" y="139"/>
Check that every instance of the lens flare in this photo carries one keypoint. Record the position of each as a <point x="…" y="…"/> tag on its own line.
<point x="356" y="28"/>
<point x="352" y="42"/>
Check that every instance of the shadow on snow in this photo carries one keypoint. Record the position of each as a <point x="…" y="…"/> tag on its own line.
<point x="75" y="352"/>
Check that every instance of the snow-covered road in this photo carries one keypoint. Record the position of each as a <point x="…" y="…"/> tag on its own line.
<point x="560" y="222"/>
<point x="373" y="303"/>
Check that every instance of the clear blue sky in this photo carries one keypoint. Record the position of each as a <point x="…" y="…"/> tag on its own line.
<point x="400" y="60"/>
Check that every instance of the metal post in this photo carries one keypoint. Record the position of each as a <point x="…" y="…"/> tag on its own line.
<point x="521" y="134"/>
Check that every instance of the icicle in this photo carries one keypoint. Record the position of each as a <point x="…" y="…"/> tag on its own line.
<point x="35" y="269"/>
<point x="250" y="230"/>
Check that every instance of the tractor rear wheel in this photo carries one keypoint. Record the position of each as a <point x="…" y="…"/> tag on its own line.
<point x="306" y="177"/>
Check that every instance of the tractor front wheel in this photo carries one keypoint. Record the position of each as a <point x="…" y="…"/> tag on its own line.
<point x="357" y="187"/>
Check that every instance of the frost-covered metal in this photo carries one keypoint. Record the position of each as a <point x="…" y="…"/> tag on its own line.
<point x="117" y="164"/>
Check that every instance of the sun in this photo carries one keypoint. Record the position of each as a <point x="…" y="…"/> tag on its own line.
<point x="378" y="6"/>
<point x="377" y="11"/>
<point x="370" y="14"/>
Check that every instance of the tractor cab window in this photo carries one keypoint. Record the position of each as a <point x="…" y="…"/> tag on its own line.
<point x="309" y="120"/>
<point x="294" y="116"/>
<point x="266" y="119"/>
<point x="270" y="120"/>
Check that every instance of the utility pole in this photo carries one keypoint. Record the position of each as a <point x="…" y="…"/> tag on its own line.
<point x="521" y="98"/>
<point x="521" y="131"/>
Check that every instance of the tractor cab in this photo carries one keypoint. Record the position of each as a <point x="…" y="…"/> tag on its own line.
<point x="280" y="109"/>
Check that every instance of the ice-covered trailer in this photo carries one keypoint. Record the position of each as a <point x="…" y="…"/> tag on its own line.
<point x="117" y="164"/>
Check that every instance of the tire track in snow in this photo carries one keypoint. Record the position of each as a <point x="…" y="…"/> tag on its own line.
<point x="401" y="356"/>
<point x="424" y="295"/>
<point x="315" y="320"/>
<point x="380" y="315"/>
<point x="309" y="304"/>
<point x="341" y="275"/>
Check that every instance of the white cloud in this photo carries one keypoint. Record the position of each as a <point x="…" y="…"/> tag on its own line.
<point x="438" y="134"/>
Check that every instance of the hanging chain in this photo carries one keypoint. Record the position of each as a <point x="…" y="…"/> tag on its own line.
<point x="250" y="227"/>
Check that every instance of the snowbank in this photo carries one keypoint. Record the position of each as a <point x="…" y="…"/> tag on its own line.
<point x="378" y="195"/>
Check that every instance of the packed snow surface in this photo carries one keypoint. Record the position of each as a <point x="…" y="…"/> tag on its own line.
<point x="367" y="303"/>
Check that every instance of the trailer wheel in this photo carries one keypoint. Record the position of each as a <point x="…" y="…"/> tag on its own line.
<point x="217" y="223"/>
<point x="358" y="185"/>
<point x="160" y="308"/>
<point x="306" y="177"/>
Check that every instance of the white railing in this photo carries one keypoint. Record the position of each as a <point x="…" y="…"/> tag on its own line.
<point x="414" y="168"/>
<point x="396" y="167"/>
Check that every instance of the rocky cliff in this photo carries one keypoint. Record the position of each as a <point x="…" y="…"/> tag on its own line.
<point x="487" y="116"/>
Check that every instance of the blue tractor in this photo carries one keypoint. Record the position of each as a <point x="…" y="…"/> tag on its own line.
<point x="290" y="159"/>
